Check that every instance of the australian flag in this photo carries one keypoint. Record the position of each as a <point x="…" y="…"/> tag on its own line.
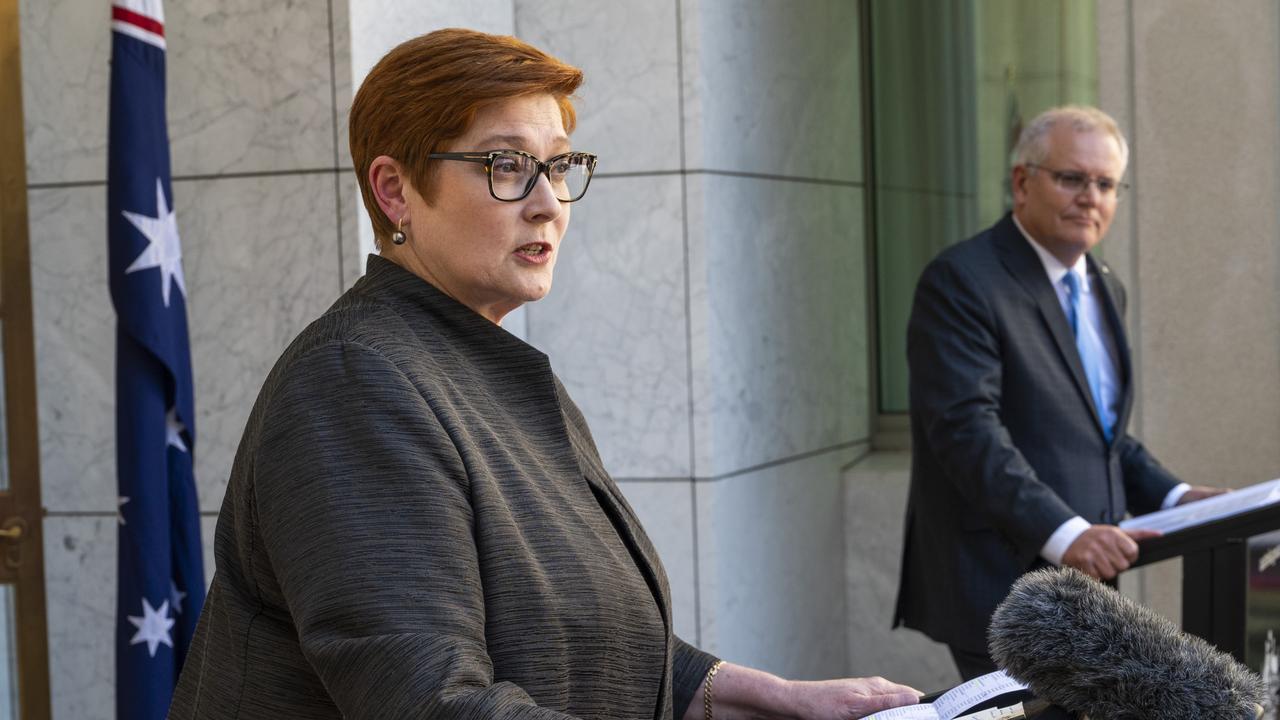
<point x="160" y="567"/>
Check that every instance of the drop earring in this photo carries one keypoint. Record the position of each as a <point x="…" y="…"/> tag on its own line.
<point x="398" y="237"/>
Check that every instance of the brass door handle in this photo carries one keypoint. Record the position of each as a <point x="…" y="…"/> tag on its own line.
<point x="13" y="531"/>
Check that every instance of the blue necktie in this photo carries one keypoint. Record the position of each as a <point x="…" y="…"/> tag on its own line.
<point x="1092" y="352"/>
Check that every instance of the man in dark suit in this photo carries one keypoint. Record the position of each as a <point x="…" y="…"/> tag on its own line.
<point x="1021" y="390"/>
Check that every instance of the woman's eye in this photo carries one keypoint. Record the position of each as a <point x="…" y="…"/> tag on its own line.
<point x="506" y="165"/>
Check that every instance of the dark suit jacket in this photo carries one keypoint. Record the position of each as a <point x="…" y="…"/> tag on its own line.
<point x="1006" y="444"/>
<point x="418" y="525"/>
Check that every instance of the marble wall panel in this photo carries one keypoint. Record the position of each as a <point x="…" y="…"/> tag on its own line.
<point x="614" y="324"/>
<point x="250" y="86"/>
<point x="773" y="87"/>
<point x="778" y="312"/>
<point x="771" y="567"/>
<point x="80" y="596"/>
<point x="75" y="348"/>
<point x="666" y="511"/>
<point x="261" y="261"/>
<point x="376" y="26"/>
<point x="343" y="81"/>
<point x="629" y="105"/>
<point x="875" y="501"/>
<point x="65" y="82"/>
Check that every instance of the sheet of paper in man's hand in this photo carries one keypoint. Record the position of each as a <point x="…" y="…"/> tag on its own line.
<point x="1204" y="511"/>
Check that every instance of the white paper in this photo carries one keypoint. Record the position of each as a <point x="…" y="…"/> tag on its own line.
<point x="1013" y="711"/>
<point x="1207" y="510"/>
<point x="978" y="690"/>
<point x="907" y="712"/>
<point x="956" y="700"/>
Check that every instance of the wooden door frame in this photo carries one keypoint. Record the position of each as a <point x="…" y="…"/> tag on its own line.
<point x="21" y="419"/>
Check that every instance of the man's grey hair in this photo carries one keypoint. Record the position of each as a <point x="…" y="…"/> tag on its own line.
<point x="1033" y="143"/>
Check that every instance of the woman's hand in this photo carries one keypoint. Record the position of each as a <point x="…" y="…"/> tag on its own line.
<point x="742" y="693"/>
<point x="848" y="698"/>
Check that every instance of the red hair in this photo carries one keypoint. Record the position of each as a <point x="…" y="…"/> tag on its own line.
<point x="427" y="91"/>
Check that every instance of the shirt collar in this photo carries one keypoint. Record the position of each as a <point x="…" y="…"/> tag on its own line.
<point x="1053" y="267"/>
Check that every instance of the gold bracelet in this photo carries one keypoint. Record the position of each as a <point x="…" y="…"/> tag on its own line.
<point x="706" y="689"/>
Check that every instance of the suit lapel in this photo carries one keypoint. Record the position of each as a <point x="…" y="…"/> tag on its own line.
<point x="1111" y="307"/>
<point x="1024" y="265"/>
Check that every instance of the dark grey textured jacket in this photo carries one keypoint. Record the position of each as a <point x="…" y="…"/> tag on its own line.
<point x="418" y="525"/>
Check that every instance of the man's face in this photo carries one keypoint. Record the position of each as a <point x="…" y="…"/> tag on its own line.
<point x="1068" y="223"/>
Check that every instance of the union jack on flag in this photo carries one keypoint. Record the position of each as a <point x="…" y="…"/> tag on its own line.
<point x="161" y="574"/>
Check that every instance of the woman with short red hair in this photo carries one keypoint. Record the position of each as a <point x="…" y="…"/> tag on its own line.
<point x="417" y="522"/>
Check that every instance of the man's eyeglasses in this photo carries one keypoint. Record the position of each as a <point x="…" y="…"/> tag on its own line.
<point x="1076" y="182"/>
<point x="512" y="173"/>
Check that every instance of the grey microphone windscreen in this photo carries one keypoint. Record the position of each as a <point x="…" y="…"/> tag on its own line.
<point x="1085" y="647"/>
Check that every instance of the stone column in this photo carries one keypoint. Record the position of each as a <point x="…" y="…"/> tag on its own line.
<point x="709" y="313"/>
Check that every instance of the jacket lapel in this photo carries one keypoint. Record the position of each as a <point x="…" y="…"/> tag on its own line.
<point x="624" y="521"/>
<point x="1107" y="291"/>
<point x="628" y="525"/>
<point x="1024" y="265"/>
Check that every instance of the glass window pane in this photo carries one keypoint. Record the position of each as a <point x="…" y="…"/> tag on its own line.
<point x="952" y="83"/>
<point x="9" y="661"/>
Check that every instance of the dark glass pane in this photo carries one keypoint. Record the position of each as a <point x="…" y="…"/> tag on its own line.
<point x="952" y="82"/>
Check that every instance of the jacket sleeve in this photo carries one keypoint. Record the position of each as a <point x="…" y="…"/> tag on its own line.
<point x="953" y="350"/>
<point x="362" y="505"/>
<point x="1146" y="481"/>
<point x="689" y="667"/>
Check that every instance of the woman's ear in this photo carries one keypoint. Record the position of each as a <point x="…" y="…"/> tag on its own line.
<point x="389" y="182"/>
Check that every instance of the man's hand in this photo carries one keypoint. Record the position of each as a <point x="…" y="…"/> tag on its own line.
<point x="1104" y="551"/>
<point x="1200" y="492"/>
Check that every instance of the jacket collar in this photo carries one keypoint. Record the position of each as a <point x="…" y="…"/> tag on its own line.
<point x="427" y="309"/>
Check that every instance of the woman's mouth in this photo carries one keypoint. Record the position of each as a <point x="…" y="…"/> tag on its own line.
<point x="534" y="252"/>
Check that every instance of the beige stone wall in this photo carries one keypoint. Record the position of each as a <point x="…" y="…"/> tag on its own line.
<point x="1198" y="240"/>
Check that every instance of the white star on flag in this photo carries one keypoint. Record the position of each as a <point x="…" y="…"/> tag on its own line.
<point x="173" y="429"/>
<point x="176" y="596"/>
<point x="163" y="250"/>
<point x="120" y="508"/>
<point x="153" y="626"/>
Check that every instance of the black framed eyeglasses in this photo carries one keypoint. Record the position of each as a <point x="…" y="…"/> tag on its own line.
<point x="1076" y="182"/>
<point x="513" y="173"/>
